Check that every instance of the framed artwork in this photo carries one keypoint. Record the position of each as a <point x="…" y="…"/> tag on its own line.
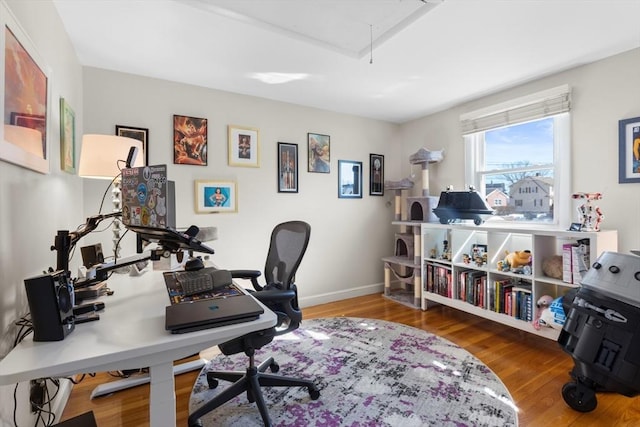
<point x="376" y="175"/>
<point x="349" y="179"/>
<point x="287" y="167"/>
<point x="215" y="196"/>
<point x="24" y="136"/>
<point x="629" y="150"/>
<point x="319" y="149"/>
<point x="244" y="147"/>
<point x="189" y="140"/>
<point x="67" y="137"/>
<point x="141" y="134"/>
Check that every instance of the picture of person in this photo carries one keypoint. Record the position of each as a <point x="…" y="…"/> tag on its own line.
<point x="244" y="146"/>
<point x="376" y="176"/>
<point x="215" y="198"/>
<point x="189" y="140"/>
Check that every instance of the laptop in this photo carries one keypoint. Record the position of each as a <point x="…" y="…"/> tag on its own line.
<point x="146" y="198"/>
<point x="211" y="313"/>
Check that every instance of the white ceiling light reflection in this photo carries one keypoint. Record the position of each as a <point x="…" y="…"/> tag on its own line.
<point x="278" y="78"/>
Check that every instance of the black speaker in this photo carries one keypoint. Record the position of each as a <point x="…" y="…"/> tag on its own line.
<point x="50" y="299"/>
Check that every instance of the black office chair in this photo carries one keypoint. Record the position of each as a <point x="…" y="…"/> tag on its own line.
<point x="289" y="242"/>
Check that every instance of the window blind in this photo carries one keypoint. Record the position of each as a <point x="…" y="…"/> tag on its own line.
<point x="532" y="107"/>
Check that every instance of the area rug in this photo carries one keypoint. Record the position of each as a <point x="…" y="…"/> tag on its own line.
<point x="370" y="373"/>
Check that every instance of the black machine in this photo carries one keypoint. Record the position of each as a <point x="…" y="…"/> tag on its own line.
<point x="602" y="332"/>
<point x="50" y="298"/>
<point x="51" y="295"/>
<point x="454" y="205"/>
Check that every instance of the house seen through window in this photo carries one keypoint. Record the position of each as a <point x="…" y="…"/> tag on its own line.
<point x="518" y="169"/>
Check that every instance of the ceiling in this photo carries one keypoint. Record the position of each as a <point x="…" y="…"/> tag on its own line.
<point x="393" y="60"/>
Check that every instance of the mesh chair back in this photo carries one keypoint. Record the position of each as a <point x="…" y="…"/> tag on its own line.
<point x="289" y="242"/>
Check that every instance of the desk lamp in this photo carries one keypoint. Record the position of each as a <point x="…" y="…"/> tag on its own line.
<point x="102" y="157"/>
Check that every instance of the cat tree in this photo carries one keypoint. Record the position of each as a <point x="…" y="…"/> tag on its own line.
<point x="405" y="265"/>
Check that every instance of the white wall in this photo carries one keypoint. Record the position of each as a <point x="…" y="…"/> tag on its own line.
<point x="34" y="206"/>
<point x="349" y="236"/>
<point x="603" y="93"/>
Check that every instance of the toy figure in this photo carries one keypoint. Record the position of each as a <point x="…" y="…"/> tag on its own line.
<point x="446" y="254"/>
<point x="590" y="217"/>
<point x="549" y="312"/>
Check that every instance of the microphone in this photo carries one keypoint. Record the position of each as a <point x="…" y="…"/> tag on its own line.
<point x="131" y="157"/>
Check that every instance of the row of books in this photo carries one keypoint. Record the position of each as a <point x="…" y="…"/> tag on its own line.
<point x="510" y="296"/>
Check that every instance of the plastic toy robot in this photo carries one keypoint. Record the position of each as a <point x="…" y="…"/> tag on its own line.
<point x="590" y="216"/>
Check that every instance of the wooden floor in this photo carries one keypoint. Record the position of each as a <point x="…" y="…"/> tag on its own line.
<point x="533" y="369"/>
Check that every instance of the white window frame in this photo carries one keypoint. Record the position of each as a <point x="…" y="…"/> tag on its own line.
<point x="551" y="103"/>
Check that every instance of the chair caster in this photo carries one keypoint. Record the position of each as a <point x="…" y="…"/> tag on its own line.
<point x="196" y="423"/>
<point x="274" y="367"/>
<point x="314" y="393"/>
<point x="213" y="383"/>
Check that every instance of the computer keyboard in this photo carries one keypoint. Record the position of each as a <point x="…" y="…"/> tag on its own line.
<point x="195" y="282"/>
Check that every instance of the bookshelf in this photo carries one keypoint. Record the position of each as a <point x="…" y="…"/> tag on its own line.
<point x="460" y="268"/>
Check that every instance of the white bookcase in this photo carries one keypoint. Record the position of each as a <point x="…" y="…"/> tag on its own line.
<point x="467" y="286"/>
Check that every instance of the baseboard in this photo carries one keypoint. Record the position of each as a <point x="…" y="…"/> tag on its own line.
<point x="340" y="295"/>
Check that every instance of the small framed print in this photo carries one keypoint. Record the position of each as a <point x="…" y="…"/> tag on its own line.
<point x="244" y="147"/>
<point x="190" y="140"/>
<point x="319" y="149"/>
<point x="629" y="150"/>
<point x="141" y="134"/>
<point x="287" y="167"/>
<point x="575" y="226"/>
<point x="349" y="179"/>
<point x="67" y="137"/>
<point x="215" y="196"/>
<point x="376" y="175"/>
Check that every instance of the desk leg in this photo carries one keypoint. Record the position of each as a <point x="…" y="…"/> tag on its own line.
<point x="162" y="397"/>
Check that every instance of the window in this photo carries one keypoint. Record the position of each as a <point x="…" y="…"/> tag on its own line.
<point x="521" y="148"/>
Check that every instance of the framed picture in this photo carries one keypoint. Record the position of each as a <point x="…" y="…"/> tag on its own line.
<point x="24" y="137"/>
<point x="216" y="196"/>
<point x="376" y="175"/>
<point x="319" y="149"/>
<point x="629" y="150"/>
<point x="287" y="167"/>
<point x="349" y="179"/>
<point x="141" y="134"/>
<point x="67" y="137"/>
<point x="244" y="147"/>
<point x="189" y="140"/>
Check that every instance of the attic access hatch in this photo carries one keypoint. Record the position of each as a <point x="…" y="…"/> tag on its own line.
<point x="344" y="26"/>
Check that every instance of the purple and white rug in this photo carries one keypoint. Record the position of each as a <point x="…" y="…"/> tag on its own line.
<point x="370" y="373"/>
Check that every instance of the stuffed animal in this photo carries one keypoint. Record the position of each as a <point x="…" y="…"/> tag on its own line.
<point x="552" y="266"/>
<point x="515" y="260"/>
<point x="549" y="312"/>
<point x="518" y="259"/>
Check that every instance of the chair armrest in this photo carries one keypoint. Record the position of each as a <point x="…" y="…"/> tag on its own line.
<point x="245" y="274"/>
<point x="275" y="295"/>
<point x="249" y="275"/>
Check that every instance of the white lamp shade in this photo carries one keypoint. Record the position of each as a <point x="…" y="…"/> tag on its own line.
<point x="102" y="156"/>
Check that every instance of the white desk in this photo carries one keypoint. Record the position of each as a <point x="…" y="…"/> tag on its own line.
<point x="129" y="335"/>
